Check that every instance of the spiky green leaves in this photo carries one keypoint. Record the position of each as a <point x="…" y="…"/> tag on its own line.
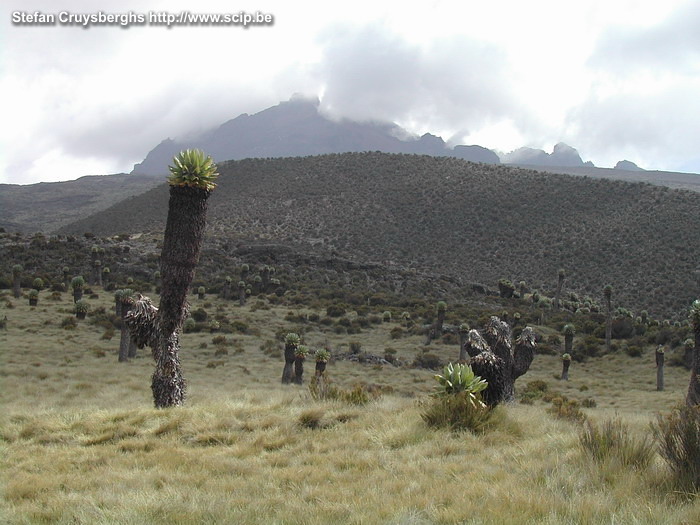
<point x="292" y="339"/>
<point x="193" y="168"/>
<point x="301" y="352"/>
<point x="77" y="282"/>
<point x="459" y="378"/>
<point x="82" y="307"/>
<point x="566" y="357"/>
<point x="568" y="329"/>
<point x="322" y="355"/>
<point x="124" y="295"/>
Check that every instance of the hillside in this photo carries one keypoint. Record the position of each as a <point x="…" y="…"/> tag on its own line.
<point x="472" y="222"/>
<point x="48" y="205"/>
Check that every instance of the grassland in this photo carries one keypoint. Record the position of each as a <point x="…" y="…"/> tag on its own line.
<point x="81" y="443"/>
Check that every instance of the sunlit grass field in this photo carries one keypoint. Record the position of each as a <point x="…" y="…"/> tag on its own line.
<point x="81" y="443"/>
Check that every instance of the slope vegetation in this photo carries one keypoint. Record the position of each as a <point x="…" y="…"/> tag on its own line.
<point x="474" y="222"/>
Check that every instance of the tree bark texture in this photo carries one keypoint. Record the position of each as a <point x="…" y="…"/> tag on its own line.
<point x="497" y="360"/>
<point x="557" y="294"/>
<point x="463" y="346"/>
<point x="298" y="371"/>
<point x="184" y="230"/>
<point x="608" y="324"/>
<point x="693" y="397"/>
<point x="289" y="358"/>
<point x="565" y="364"/>
<point x="160" y="327"/>
<point x="659" y="370"/>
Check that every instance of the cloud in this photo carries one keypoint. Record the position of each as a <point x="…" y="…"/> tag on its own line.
<point x="642" y="126"/>
<point x="671" y="45"/>
<point x="454" y="83"/>
<point x="643" y="101"/>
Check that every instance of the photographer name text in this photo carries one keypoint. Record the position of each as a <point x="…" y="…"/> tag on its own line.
<point x="152" y="18"/>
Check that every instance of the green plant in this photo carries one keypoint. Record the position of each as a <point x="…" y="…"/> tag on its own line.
<point x="460" y="378"/>
<point x="194" y="169"/>
<point x="189" y="325"/>
<point x="301" y="352"/>
<point x="322" y="355"/>
<point x="693" y="397"/>
<point x="678" y="437"/>
<point x="38" y="284"/>
<point x="457" y="402"/>
<point x="613" y="441"/>
<point x="458" y="412"/>
<point x="191" y="182"/>
<point x="292" y="339"/>
<point x="82" y="307"/>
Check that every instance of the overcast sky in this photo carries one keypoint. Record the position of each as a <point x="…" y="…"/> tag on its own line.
<point x="615" y="79"/>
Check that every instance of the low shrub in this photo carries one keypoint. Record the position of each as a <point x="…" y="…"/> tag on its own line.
<point x="427" y="360"/>
<point x="613" y="441"/>
<point x="458" y="412"/>
<point x="565" y="408"/>
<point x="678" y="437"/>
<point x="69" y="323"/>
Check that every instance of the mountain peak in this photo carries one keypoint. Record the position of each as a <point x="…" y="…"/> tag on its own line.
<point x="627" y="165"/>
<point x="562" y="155"/>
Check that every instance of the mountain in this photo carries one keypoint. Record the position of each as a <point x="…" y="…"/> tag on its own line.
<point x="47" y="206"/>
<point x="297" y="128"/>
<point x="627" y="166"/>
<point x="562" y="155"/>
<point x="470" y="222"/>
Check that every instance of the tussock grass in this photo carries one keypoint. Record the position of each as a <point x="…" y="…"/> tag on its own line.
<point x="84" y="445"/>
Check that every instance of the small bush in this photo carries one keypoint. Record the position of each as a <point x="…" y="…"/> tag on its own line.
<point x="311" y="419"/>
<point x="69" y="323"/>
<point x="613" y="441"/>
<point x="359" y="395"/>
<point x="396" y="332"/>
<point x="632" y="350"/>
<point x="200" y="315"/>
<point x="219" y="340"/>
<point x="240" y="326"/>
<point x="534" y="390"/>
<point x="589" y="402"/>
<point x="270" y="348"/>
<point x="355" y="347"/>
<point x="459" y="412"/>
<point x="427" y="360"/>
<point x="678" y="436"/>
<point x="565" y="408"/>
<point x="189" y="325"/>
<point x="335" y="310"/>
